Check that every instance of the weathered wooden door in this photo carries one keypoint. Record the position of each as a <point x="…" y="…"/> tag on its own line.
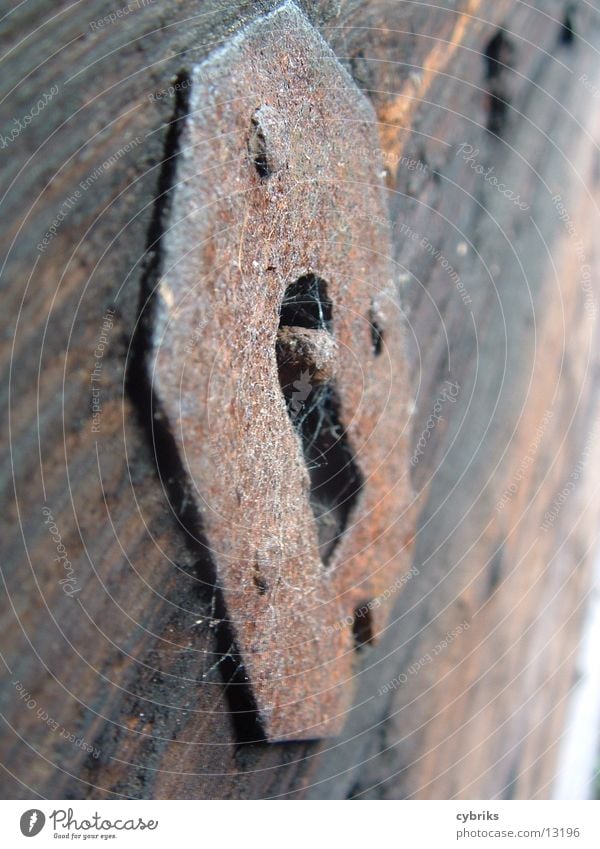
<point x="464" y="187"/>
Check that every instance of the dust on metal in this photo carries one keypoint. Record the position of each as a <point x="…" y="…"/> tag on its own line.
<point x="290" y="422"/>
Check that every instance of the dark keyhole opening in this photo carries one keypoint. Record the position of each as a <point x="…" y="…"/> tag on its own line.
<point x="314" y="410"/>
<point x="306" y="304"/>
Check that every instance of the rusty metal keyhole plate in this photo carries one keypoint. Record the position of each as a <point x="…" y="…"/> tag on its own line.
<point x="278" y="180"/>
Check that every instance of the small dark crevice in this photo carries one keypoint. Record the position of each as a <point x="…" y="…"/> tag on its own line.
<point x="499" y="58"/>
<point x="335" y="479"/>
<point x="376" y="334"/>
<point x="314" y="410"/>
<point x="495" y="55"/>
<point x="240" y="699"/>
<point x="259" y="582"/>
<point x="354" y="789"/>
<point x="567" y="35"/>
<point x="512" y="779"/>
<point x="362" y="626"/>
<point x="153" y="423"/>
<point x="363" y="71"/>
<point x="257" y="148"/>
<point x="138" y="386"/>
<point x="495" y="569"/>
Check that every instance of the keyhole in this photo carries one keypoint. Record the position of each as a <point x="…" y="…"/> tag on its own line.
<point x="306" y="359"/>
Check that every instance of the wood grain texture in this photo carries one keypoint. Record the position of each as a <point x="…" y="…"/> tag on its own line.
<point x="128" y="666"/>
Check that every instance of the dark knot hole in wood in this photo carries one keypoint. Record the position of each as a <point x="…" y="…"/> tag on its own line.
<point x="306" y="357"/>
<point x="362" y="626"/>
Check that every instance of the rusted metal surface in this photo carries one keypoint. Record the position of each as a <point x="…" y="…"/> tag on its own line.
<point x="300" y="348"/>
<point x="277" y="361"/>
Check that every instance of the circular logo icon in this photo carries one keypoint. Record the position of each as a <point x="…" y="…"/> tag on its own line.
<point x="32" y="822"/>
